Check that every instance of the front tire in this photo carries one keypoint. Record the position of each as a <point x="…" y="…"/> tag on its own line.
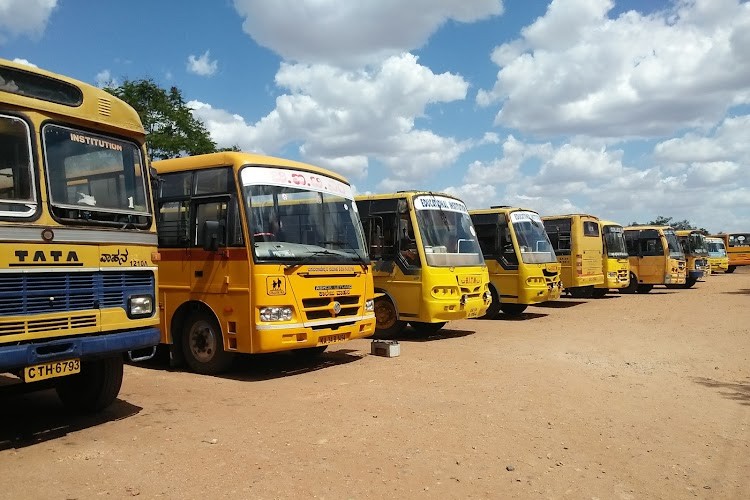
<point x="495" y="305"/>
<point x="387" y="324"/>
<point x="632" y="286"/>
<point x="730" y="269"/>
<point x="513" y="309"/>
<point x="203" y="345"/>
<point x="95" y="388"/>
<point x="644" y="288"/>
<point x="582" y="292"/>
<point x="427" y="328"/>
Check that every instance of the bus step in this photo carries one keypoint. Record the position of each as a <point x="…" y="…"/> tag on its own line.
<point x="142" y="354"/>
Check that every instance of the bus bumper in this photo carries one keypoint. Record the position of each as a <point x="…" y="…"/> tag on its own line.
<point x="552" y="291"/>
<point x="286" y="339"/>
<point x="435" y="311"/>
<point x="18" y="356"/>
<point x="695" y="274"/>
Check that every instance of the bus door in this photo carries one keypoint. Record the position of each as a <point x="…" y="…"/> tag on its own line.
<point x="210" y="270"/>
<point x="651" y="259"/>
<point x="395" y="256"/>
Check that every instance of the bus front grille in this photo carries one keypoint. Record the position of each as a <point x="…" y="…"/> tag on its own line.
<point x="323" y="307"/>
<point x="66" y="324"/>
<point x="49" y="293"/>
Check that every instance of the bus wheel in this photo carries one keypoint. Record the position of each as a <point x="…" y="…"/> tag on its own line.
<point x="309" y="352"/>
<point x="494" y="307"/>
<point x="632" y="286"/>
<point x="427" y="328"/>
<point x="730" y="269"/>
<point x="644" y="288"/>
<point x="203" y="346"/>
<point x="512" y="309"/>
<point x="95" y="388"/>
<point x="689" y="283"/>
<point x="598" y="293"/>
<point x="387" y="323"/>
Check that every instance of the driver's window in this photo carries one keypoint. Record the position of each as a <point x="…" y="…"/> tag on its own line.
<point x="508" y="253"/>
<point x="211" y="211"/>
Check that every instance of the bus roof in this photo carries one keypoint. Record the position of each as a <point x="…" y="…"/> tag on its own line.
<point x="686" y="232"/>
<point x="403" y="194"/>
<point x="647" y="226"/>
<point x="501" y="210"/>
<point x="565" y="216"/>
<point x="609" y="223"/>
<point x="237" y="158"/>
<point x="97" y="105"/>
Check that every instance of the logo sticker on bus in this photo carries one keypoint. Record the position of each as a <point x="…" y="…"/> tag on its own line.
<point x="276" y="285"/>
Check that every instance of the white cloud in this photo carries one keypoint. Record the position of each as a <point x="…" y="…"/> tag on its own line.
<point x="104" y="79"/>
<point x="24" y="17"/>
<point x="202" y="65"/>
<point x="576" y="70"/>
<point x="25" y="61"/>
<point x="347" y="119"/>
<point x="341" y="32"/>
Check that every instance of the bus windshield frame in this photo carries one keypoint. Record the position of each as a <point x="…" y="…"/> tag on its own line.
<point x="614" y="242"/>
<point x="297" y="217"/>
<point x="673" y="245"/>
<point x="534" y="246"/>
<point x="18" y="191"/>
<point x="448" y="235"/>
<point x="94" y="178"/>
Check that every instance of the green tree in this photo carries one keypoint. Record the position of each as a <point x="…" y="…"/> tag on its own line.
<point x="171" y="128"/>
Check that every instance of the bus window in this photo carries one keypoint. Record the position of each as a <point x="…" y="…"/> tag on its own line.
<point x="15" y="168"/>
<point x="506" y="245"/>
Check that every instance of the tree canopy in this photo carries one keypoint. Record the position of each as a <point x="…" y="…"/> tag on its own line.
<point x="668" y="221"/>
<point x="171" y="128"/>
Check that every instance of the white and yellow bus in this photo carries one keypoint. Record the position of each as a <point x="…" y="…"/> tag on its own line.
<point x="656" y="258"/>
<point x="522" y="265"/>
<point x="738" y="249"/>
<point x="718" y="261"/>
<point x="259" y="254"/>
<point x="615" y="262"/>
<point x="577" y="243"/>
<point x="427" y="261"/>
<point x="77" y="236"/>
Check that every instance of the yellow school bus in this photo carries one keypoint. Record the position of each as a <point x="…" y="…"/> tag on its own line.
<point x="696" y="256"/>
<point x="522" y="265"/>
<point x="718" y="261"/>
<point x="426" y="260"/>
<point x="577" y="243"/>
<point x="258" y="254"/>
<point x="77" y="236"/>
<point x="615" y="263"/>
<point x="738" y="249"/>
<point x="656" y="258"/>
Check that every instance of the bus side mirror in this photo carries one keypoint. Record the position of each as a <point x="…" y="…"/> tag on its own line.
<point x="213" y="235"/>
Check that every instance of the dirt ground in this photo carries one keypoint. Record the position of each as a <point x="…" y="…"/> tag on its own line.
<point x="643" y="396"/>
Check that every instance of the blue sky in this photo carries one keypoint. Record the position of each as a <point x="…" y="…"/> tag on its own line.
<point x="623" y="109"/>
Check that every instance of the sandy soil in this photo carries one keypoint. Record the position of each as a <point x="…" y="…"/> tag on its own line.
<point x="643" y="396"/>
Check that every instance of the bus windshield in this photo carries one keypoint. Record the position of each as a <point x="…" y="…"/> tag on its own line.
<point x="614" y="240"/>
<point x="448" y="235"/>
<point x="533" y="243"/>
<point x="94" y="178"/>
<point x="697" y="244"/>
<point x="296" y="217"/>
<point x="716" y="248"/>
<point x="675" y="250"/>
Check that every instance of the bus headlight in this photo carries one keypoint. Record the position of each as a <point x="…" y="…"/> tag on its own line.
<point x="140" y="306"/>
<point x="275" y="313"/>
<point x="369" y="305"/>
<point x="667" y="279"/>
<point x="487" y="296"/>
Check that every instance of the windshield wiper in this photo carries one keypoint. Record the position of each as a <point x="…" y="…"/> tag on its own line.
<point x="309" y="258"/>
<point x="346" y="246"/>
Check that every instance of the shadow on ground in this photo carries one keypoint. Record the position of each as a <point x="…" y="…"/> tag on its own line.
<point x="741" y="291"/>
<point x="259" y="367"/>
<point x="524" y="316"/>
<point x="411" y="335"/>
<point x="561" y="304"/>
<point x="31" y="416"/>
<point x="737" y="391"/>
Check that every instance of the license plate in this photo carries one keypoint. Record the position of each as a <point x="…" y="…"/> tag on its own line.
<point x="52" y="369"/>
<point x="473" y="313"/>
<point x="332" y="339"/>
